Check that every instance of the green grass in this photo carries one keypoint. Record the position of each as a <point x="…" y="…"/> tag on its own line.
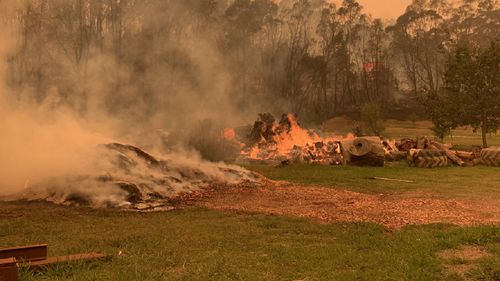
<point x="199" y="244"/>
<point x="473" y="182"/>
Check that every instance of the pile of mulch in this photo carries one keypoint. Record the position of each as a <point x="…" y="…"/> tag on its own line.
<point x="333" y="205"/>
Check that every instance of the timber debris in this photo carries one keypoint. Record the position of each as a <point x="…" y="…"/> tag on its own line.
<point x="285" y="142"/>
<point x="35" y="257"/>
<point x="426" y="153"/>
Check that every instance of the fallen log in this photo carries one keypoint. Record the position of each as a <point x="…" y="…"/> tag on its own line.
<point x="452" y="156"/>
<point x="469" y="156"/>
<point x="406" y="144"/>
<point x="390" y="146"/>
<point x="432" y="146"/>
<point x="396" y="156"/>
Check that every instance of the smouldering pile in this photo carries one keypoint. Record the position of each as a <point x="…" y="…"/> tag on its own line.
<point x="287" y="142"/>
<point x="134" y="179"/>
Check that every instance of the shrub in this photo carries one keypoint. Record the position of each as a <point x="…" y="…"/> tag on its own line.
<point x="370" y="115"/>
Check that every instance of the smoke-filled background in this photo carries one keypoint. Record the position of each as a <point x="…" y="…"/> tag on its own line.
<point x="78" y="73"/>
<point x="36" y="139"/>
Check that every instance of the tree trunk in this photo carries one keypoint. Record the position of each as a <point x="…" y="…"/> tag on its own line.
<point x="484" y="129"/>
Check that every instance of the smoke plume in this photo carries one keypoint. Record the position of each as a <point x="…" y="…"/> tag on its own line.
<point x="38" y="140"/>
<point x="64" y="93"/>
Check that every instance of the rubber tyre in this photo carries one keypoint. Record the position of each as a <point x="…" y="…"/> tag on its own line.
<point x="428" y="158"/>
<point x="491" y="156"/>
<point x="360" y="147"/>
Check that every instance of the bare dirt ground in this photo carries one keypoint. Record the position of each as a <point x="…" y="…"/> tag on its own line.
<point x="333" y="205"/>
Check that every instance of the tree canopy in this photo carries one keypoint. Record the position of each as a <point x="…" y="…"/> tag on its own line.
<point x="309" y="57"/>
<point x="471" y="94"/>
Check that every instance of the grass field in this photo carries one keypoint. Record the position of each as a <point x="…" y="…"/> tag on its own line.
<point x="199" y="244"/>
<point x="473" y="182"/>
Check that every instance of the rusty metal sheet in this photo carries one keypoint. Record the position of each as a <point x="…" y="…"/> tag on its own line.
<point x="25" y="253"/>
<point x="8" y="269"/>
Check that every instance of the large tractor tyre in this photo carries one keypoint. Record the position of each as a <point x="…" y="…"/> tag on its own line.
<point x="366" y="151"/>
<point x="427" y="158"/>
<point x="370" y="160"/>
<point x="491" y="156"/>
<point x="361" y="147"/>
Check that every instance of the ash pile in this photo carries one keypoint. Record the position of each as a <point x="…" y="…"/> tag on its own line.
<point x="285" y="141"/>
<point x="130" y="178"/>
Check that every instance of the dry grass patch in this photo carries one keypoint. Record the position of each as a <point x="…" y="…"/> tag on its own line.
<point x="458" y="262"/>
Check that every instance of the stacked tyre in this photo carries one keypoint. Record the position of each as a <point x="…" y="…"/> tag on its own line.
<point x="427" y="158"/>
<point x="491" y="156"/>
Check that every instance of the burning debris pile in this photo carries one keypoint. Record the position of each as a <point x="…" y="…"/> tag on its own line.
<point x="286" y="141"/>
<point x="133" y="179"/>
<point x="127" y="177"/>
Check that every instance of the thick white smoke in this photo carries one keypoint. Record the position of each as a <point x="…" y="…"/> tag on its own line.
<point x="51" y="146"/>
<point x="37" y="140"/>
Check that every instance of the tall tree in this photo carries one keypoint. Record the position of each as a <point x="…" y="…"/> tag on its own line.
<point x="471" y="91"/>
<point x="418" y="38"/>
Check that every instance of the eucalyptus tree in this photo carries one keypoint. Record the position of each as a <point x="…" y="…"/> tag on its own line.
<point x="471" y="90"/>
<point x="475" y="21"/>
<point x="418" y="37"/>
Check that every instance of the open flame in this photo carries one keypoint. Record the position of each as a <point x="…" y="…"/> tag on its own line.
<point x="287" y="140"/>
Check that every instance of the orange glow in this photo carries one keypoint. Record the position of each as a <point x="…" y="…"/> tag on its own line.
<point x="229" y="134"/>
<point x="289" y="137"/>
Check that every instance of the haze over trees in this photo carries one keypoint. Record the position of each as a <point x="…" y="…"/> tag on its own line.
<point x="316" y="59"/>
<point x="470" y="95"/>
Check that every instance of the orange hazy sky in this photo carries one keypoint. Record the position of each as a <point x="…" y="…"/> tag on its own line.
<point x="386" y="9"/>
